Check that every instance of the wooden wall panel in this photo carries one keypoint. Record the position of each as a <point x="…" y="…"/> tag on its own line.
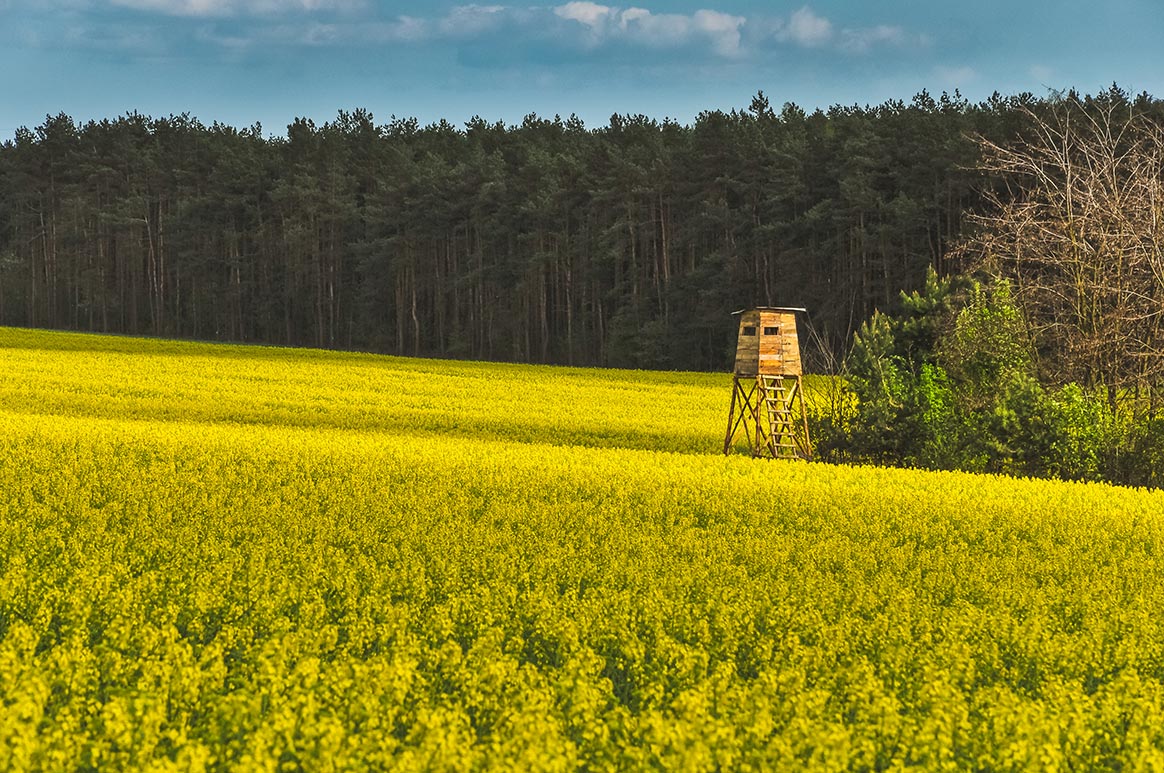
<point x="768" y="354"/>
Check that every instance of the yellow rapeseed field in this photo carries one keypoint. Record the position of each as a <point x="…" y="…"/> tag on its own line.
<point x="242" y="558"/>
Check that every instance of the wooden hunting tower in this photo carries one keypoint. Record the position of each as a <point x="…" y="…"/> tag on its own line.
<point x="767" y="392"/>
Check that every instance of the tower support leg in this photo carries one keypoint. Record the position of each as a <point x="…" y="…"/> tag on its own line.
<point x="742" y="413"/>
<point x="773" y="415"/>
<point x="731" y="428"/>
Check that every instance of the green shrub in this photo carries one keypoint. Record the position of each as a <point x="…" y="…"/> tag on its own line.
<point x="948" y="384"/>
<point x="1142" y="463"/>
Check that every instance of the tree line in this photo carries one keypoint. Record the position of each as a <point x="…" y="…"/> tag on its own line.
<point x="623" y="245"/>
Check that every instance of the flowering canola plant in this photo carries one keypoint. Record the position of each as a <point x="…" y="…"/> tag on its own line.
<point x="233" y="558"/>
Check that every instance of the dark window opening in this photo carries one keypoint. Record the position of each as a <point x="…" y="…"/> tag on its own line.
<point x="749" y="331"/>
<point x="771" y="331"/>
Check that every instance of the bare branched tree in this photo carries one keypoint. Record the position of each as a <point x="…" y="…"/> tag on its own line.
<point x="1077" y="224"/>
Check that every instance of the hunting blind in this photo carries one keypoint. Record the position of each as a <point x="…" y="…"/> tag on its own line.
<point x="767" y="392"/>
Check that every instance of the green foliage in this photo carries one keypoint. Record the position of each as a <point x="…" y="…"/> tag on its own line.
<point x="905" y="406"/>
<point x="1090" y="435"/>
<point x="1142" y="463"/>
<point x="924" y="315"/>
<point x="987" y="346"/>
<point x="937" y="419"/>
<point x="878" y="377"/>
<point x="948" y="383"/>
<point x="1011" y="430"/>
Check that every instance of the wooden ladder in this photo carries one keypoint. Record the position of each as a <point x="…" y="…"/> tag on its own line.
<point x="778" y="398"/>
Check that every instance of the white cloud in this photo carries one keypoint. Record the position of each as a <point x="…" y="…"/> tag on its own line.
<point x="631" y="15"/>
<point x="321" y="34"/>
<point x="807" y="29"/>
<point x="658" y="30"/>
<point x="234" y="7"/>
<point x="955" y="76"/>
<point x="655" y="29"/>
<point x="592" y="15"/>
<point x="471" y="20"/>
<point x="861" y="40"/>
<point x="406" y="28"/>
<point x="1042" y="73"/>
<point x="121" y="38"/>
<point x="722" y="28"/>
<point x="208" y="34"/>
<point x="577" y="24"/>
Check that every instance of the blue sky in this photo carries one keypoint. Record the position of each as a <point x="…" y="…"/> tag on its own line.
<point x="268" y="61"/>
